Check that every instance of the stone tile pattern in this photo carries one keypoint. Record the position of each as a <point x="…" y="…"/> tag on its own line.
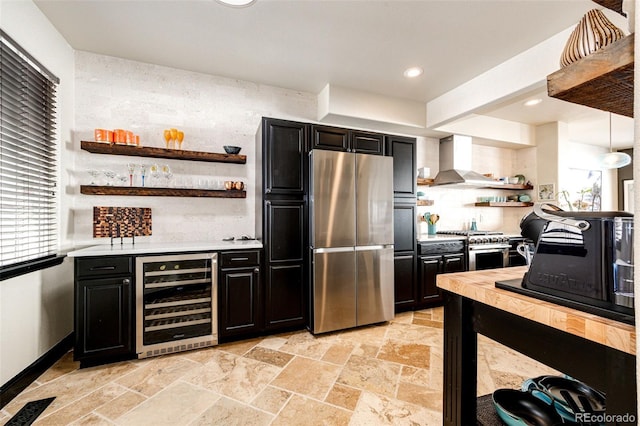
<point x="384" y="374"/>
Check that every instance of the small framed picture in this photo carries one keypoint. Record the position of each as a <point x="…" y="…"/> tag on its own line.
<point x="546" y="192"/>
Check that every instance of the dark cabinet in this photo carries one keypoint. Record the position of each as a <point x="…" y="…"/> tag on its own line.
<point x="367" y="142"/>
<point x="239" y="294"/>
<point x="283" y="224"/>
<point x="403" y="151"/>
<point x="331" y="138"/>
<point x="404" y="281"/>
<point x="283" y="150"/>
<point x="285" y="290"/>
<point x="103" y="317"/>
<point x="404" y="227"/>
<point x="430" y="266"/>
<point x="339" y="139"/>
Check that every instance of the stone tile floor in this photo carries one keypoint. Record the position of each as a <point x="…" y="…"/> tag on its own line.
<point x="384" y="374"/>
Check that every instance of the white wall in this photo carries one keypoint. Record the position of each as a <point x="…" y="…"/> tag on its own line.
<point x="36" y="309"/>
<point x="212" y="111"/>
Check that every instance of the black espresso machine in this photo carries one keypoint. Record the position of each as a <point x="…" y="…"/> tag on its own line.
<point x="582" y="259"/>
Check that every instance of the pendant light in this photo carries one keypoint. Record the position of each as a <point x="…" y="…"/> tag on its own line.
<point x="614" y="160"/>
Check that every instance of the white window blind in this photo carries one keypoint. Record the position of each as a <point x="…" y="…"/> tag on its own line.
<point x="28" y="152"/>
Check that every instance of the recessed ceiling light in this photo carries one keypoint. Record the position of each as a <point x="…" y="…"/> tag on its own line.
<point x="236" y="3"/>
<point x="413" y="72"/>
<point x="532" y="102"/>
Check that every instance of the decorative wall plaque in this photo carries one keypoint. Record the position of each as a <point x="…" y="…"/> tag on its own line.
<point x="121" y="222"/>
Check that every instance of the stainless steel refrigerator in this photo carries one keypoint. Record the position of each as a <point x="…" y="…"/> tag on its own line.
<point x="351" y="214"/>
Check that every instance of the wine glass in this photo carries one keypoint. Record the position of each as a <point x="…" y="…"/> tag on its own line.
<point x="167" y="138"/>
<point x="155" y="173"/>
<point x="131" y="167"/>
<point x="180" y="137"/>
<point x="94" y="176"/>
<point x="174" y="134"/>
<point x="143" y="172"/>
<point x="122" y="180"/>
<point x="110" y="175"/>
<point x="166" y="174"/>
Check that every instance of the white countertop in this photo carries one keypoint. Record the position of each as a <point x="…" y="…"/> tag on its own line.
<point x="150" y="248"/>
<point x="425" y="238"/>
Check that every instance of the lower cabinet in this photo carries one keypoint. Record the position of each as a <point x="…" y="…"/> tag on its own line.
<point x="104" y="310"/>
<point x="404" y="270"/>
<point x="430" y="267"/>
<point x="285" y="306"/>
<point x="239" y="294"/>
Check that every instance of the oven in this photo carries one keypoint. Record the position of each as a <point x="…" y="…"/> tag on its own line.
<point x="488" y="252"/>
<point x="176" y="303"/>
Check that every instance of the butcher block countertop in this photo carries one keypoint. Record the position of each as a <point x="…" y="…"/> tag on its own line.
<point x="480" y="286"/>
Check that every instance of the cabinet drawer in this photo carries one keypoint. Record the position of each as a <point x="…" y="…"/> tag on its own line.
<point x="239" y="259"/>
<point x="93" y="266"/>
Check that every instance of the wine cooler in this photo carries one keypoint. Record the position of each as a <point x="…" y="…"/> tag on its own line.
<point x="176" y="303"/>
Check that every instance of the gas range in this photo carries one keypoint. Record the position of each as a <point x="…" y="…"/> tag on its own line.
<point x="493" y="239"/>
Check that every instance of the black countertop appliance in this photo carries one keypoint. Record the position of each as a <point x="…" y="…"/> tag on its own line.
<point x="584" y="257"/>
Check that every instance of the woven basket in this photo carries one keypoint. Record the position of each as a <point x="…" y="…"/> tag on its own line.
<point x="593" y="32"/>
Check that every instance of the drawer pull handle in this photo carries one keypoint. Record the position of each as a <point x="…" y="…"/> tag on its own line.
<point x="126" y="281"/>
<point x="239" y="259"/>
<point x="178" y="336"/>
<point x="102" y="268"/>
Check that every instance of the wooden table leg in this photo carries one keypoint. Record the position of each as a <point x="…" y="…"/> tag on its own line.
<point x="460" y="362"/>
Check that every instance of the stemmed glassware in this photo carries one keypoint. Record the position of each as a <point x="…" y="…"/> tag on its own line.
<point x="180" y="137"/>
<point x="131" y="167"/>
<point x="166" y="174"/>
<point x="174" y="135"/>
<point x="155" y="174"/>
<point x="94" y="176"/>
<point x="110" y="175"/>
<point x="143" y="172"/>
<point x="168" y="138"/>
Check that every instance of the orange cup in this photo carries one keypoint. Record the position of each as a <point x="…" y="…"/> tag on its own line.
<point x="137" y="137"/>
<point x="110" y="136"/>
<point x="129" y="137"/>
<point x="100" y="135"/>
<point x="120" y="136"/>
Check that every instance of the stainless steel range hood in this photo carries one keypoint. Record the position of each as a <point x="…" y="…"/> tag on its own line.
<point x="455" y="164"/>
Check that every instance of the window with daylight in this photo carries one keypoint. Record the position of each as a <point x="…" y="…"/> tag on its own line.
<point x="28" y="153"/>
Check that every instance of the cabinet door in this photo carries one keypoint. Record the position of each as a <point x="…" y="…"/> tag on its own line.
<point x="285" y="148"/>
<point x="238" y="301"/>
<point x="404" y="227"/>
<point x="367" y="142"/>
<point x="104" y="320"/>
<point x="404" y="281"/>
<point x="285" y="296"/>
<point x="332" y="138"/>
<point x="403" y="151"/>
<point x="430" y="266"/>
<point x="285" y="223"/>
<point x="453" y="263"/>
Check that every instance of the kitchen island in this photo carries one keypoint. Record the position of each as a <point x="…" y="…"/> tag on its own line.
<point x="595" y="350"/>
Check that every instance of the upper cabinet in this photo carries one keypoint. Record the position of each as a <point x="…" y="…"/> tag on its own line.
<point x="284" y="146"/>
<point x="403" y="151"/>
<point x="339" y="139"/>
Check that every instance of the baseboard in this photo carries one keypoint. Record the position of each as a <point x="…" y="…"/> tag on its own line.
<point x="22" y="380"/>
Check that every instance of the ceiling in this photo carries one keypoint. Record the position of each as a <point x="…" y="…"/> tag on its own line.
<point x="360" y="44"/>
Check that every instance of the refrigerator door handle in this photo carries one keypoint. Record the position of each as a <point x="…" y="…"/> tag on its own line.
<point x="376" y="247"/>
<point x="333" y="250"/>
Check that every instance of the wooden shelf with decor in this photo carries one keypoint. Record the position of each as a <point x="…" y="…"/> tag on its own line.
<point x="504" y="204"/>
<point x="512" y="186"/>
<point x="160" y="192"/>
<point x="152" y="152"/>
<point x="424" y="202"/>
<point x="602" y="80"/>
<point x="425" y="181"/>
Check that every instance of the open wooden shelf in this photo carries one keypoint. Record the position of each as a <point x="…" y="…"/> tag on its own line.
<point x="425" y="181"/>
<point x="504" y="204"/>
<point x="513" y="186"/>
<point x="175" y="154"/>
<point x="160" y="192"/>
<point x="424" y="202"/>
<point x="602" y="80"/>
